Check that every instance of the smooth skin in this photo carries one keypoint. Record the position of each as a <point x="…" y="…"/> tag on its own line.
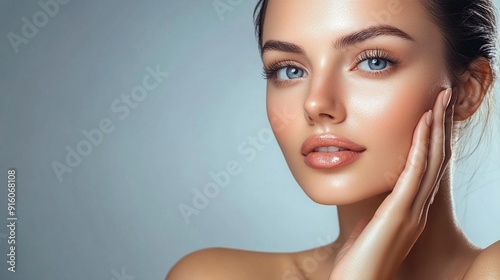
<point x="394" y="203"/>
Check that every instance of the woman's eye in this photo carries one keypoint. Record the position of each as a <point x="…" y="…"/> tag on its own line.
<point x="289" y="73"/>
<point x="374" y="64"/>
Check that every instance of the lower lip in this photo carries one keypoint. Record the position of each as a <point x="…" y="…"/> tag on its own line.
<point x="320" y="160"/>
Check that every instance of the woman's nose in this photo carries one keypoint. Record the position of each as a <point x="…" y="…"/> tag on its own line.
<point x="324" y="103"/>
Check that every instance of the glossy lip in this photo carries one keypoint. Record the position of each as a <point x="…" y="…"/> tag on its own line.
<point x="326" y="140"/>
<point x="326" y="160"/>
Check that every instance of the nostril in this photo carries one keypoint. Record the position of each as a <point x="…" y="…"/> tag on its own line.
<point x="328" y="116"/>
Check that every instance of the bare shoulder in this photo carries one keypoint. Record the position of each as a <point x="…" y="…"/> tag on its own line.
<point x="486" y="265"/>
<point x="220" y="263"/>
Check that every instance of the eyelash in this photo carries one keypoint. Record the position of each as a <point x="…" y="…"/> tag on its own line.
<point x="269" y="72"/>
<point x="378" y="54"/>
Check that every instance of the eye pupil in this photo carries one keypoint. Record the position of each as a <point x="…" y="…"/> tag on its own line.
<point x="290" y="72"/>
<point x="293" y="72"/>
<point x="377" y="64"/>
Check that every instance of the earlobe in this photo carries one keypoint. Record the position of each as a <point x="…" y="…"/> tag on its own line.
<point x="473" y="86"/>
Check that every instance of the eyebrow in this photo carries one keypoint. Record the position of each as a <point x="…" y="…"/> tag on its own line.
<point x="369" y="33"/>
<point x="342" y="42"/>
<point x="281" y="46"/>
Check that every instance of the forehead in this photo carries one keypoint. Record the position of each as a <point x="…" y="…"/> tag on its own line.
<point x="294" y="20"/>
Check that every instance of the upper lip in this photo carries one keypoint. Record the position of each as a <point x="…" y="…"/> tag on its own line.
<point x="326" y="140"/>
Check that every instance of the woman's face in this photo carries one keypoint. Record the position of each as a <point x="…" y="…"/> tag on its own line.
<point x="351" y="74"/>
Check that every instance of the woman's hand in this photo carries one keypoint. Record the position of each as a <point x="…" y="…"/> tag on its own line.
<point x="376" y="249"/>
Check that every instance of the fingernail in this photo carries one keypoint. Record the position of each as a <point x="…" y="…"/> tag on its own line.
<point x="446" y="97"/>
<point x="432" y="199"/>
<point x="428" y="118"/>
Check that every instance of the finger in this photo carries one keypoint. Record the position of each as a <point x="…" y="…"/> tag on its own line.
<point x="448" y="128"/>
<point x="435" y="154"/>
<point x="409" y="181"/>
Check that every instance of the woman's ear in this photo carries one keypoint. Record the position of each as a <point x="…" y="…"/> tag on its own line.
<point x="472" y="87"/>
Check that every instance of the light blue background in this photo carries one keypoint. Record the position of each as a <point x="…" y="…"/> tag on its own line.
<point x="116" y="213"/>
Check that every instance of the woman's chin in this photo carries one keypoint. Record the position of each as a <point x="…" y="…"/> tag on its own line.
<point x="342" y="195"/>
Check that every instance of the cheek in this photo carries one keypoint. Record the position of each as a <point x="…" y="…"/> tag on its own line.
<point x="284" y="110"/>
<point x="386" y="118"/>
